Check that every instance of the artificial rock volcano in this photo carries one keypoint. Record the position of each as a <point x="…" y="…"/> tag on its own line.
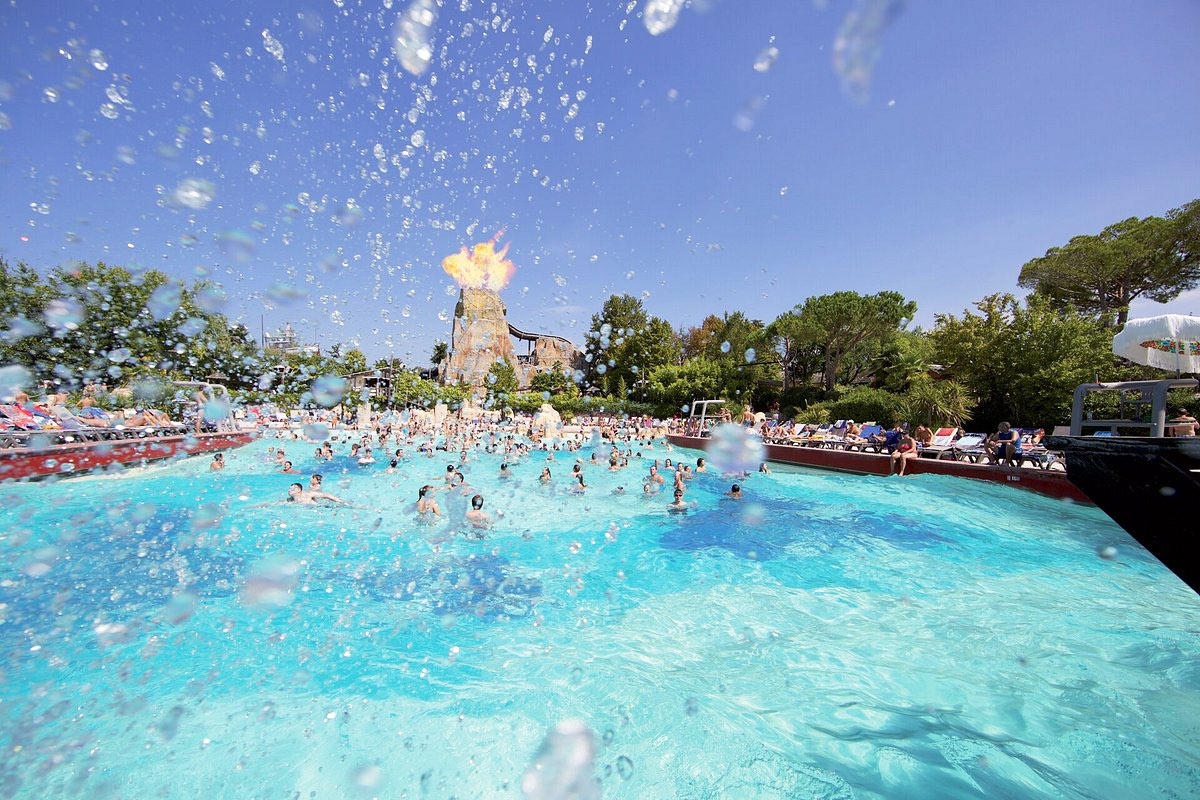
<point x="482" y="335"/>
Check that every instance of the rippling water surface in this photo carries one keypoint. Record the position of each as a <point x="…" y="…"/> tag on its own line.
<point x="829" y="636"/>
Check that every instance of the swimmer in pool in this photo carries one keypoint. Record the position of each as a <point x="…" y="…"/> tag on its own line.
<point x="700" y="467"/>
<point x="735" y="492"/>
<point x="367" y="457"/>
<point x="391" y="466"/>
<point x="763" y="468"/>
<point x="296" y="494"/>
<point x="476" y="515"/>
<point x="504" y="473"/>
<point x="654" y="476"/>
<point x="545" y="477"/>
<point x="287" y="469"/>
<point x="580" y="486"/>
<point x="427" y="503"/>
<point x="314" y="482"/>
<point x="679" y="504"/>
<point x="218" y="462"/>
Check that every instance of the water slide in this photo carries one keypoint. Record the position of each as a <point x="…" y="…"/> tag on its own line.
<point x="525" y="336"/>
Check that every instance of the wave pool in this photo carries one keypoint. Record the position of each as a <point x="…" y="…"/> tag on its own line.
<point x="165" y="634"/>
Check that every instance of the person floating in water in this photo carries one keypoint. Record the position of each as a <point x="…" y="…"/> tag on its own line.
<point x="296" y="494"/>
<point x="764" y="469"/>
<point x="218" y="462"/>
<point x="504" y="472"/>
<point x="679" y="504"/>
<point x="700" y="466"/>
<point x="288" y="470"/>
<point x="545" y="477"/>
<point x="735" y="492"/>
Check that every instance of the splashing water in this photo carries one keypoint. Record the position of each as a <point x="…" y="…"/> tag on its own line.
<point x="410" y="38"/>
<point x="732" y="449"/>
<point x="563" y="767"/>
<point x="856" y="47"/>
<point x="661" y="15"/>
<point x="482" y="267"/>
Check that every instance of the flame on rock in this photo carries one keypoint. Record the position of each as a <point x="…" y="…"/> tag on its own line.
<point x="481" y="267"/>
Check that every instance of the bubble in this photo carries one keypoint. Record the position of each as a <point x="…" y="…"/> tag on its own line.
<point x="270" y="582"/>
<point x="110" y="633"/>
<point x="328" y="390"/>
<point x="725" y="347"/>
<point x="5" y="122"/>
<point x="63" y="314"/>
<point x="207" y="515"/>
<point x="126" y="154"/>
<point x="411" y="36"/>
<point x="51" y="94"/>
<point x="164" y="301"/>
<point x="13" y="379"/>
<point x="732" y="449"/>
<point x="563" y="766"/>
<point x="210" y="298"/>
<point x="856" y="48"/>
<point x="195" y="193"/>
<point x="1107" y="553"/>
<point x="625" y="767"/>
<point x="20" y="328"/>
<point x="98" y="60"/>
<point x="751" y="354"/>
<point x="660" y="16"/>
<point x="119" y="355"/>
<point x="783" y="190"/>
<point x="109" y="111"/>
<point x="192" y="326"/>
<point x="766" y="59"/>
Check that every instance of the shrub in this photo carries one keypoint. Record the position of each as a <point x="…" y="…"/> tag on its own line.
<point x="816" y="414"/>
<point x="863" y="404"/>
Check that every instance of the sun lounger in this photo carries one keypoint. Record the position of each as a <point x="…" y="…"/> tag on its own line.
<point x="969" y="447"/>
<point x="942" y="444"/>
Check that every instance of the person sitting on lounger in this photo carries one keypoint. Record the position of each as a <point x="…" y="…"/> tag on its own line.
<point x="1006" y="444"/>
<point x="923" y="436"/>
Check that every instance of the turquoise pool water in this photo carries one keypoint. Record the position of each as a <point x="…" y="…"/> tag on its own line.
<point x="829" y="636"/>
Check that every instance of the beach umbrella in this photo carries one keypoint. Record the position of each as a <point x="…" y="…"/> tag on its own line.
<point x="1170" y="341"/>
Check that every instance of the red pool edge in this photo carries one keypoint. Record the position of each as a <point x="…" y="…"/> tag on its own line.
<point x="80" y="458"/>
<point x="1045" y="482"/>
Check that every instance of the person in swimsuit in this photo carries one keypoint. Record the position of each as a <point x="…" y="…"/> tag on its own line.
<point x="296" y="494"/>
<point x="545" y="477"/>
<point x="678" y="504"/>
<point x="906" y="450"/>
<point x="218" y="462"/>
<point x="287" y="469"/>
<point x="735" y="492"/>
<point x="427" y="503"/>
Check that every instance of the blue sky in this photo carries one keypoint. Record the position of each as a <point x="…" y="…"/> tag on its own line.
<point x="665" y="166"/>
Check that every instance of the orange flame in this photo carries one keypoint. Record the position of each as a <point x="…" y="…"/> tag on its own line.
<point x="482" y="267"/>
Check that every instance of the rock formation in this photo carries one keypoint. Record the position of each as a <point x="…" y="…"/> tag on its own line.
<point x="479" y="338"/>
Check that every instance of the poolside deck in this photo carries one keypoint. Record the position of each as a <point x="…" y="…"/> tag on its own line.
<point x="1046" y="482"/>
<point x="81" y="457"/>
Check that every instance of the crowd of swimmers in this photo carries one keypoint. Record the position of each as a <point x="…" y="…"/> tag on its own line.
<point x="611" y="448"/>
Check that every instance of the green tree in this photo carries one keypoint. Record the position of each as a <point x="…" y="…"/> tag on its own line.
<point x="698" y="340"/>
<point x="353" y="360"/>
<point x="553" y="381"/>
<point x="1022" y="362"/>
<point x="937" y="403"/>
<point x="845" y="320"/>
<point x="627" y="342"/>
<point x="1158" y="257"/>
<point x="797" y="342"/>
<point x="501" y="378"/>
<point x="440" y="349"/>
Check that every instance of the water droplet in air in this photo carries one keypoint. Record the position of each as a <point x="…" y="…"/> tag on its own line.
<point x="751" y="354"/>
<point x="272" y="45"/>
<point x="725" y="347"/>
<point x="766" y="59"/>
<point x="98" y="60"/>
<point x="328" y="390"/>
<point x="63" y="314"/>
<point x="410" y="37"/>
<point x="733" y="450"/>
<point x="51" y="94"/>
<point x="660" y="16"/>
<point x="563" y="766"/>
<point x="194" y="193"/>
<point x="164" y="301"/>
<point x="270" y="582"/>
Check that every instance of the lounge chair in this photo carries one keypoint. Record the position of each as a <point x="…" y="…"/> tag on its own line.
<point x="969" y="447"/>
<point x="863" y="442"/>
<point x="942" y="444"/>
